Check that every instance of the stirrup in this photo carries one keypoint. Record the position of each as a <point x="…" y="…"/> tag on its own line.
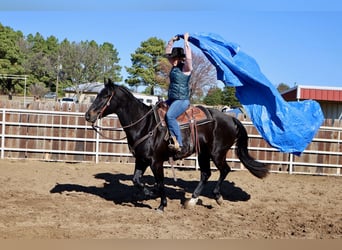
<point x="181" y="154"/>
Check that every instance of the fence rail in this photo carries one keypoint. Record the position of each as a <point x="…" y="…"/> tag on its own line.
<point x="64" y="135"/>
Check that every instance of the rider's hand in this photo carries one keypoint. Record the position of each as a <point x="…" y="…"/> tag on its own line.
<point x="175" y="38"/>
<point x="186" y="36"/>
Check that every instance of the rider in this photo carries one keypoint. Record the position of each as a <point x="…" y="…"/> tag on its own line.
<point x="179" y="92"/>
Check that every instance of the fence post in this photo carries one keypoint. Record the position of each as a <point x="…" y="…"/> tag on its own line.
<point x="97" y="144"/>
<point x="338" y="171"/>
<point x="3" y="134"/>
<point x="291" y="164"/>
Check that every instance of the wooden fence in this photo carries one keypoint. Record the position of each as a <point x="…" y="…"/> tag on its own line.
<point x="54" y="132"/>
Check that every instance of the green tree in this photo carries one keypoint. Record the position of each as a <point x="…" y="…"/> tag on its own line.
<point x="214" y="97"/>
<point x="46" y="60"/>
<point x="109" y="60"/>
<point x="10" y="60"/>
<point x="146" y="65"/>
<point x="282" y="87"/>
<point x="88" y="62"/>
<point x="229" y="98"/>
<point x="40" y="58"/>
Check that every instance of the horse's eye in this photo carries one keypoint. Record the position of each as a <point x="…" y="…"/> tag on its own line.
<point x="105" y="95"/>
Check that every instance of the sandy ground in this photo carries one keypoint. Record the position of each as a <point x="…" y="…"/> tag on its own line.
<point x="41" y="200"/>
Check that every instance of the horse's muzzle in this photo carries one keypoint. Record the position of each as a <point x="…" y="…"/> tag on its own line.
<point x="89" y="117"/>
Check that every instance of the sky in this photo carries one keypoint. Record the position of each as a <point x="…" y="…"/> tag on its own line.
<point x="294" y="41"/>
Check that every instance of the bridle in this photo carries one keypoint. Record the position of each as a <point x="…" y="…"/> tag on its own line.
<point x="105" y="107"/>
<point x="99" y="116"/>
<point x="98" y="128"/>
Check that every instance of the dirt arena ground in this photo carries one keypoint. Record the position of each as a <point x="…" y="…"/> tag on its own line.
<point x="41" y="200"/>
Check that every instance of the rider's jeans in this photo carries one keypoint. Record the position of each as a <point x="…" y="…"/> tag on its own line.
<point x="176" y="108"/>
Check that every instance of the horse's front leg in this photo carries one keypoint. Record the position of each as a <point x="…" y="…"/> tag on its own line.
<point x="158" y="172"/>
<point x="140" y="168"/>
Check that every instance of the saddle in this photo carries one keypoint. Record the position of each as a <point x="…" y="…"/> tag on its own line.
<point x="193" y="116"/>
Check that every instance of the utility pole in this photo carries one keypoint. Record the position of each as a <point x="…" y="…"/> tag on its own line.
<point x="59" y="67"/>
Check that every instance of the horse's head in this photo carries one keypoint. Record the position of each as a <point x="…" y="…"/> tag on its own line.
<point x="104" y="104"/>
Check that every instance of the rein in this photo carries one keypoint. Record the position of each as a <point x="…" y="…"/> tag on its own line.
<point x="98" y="128"/>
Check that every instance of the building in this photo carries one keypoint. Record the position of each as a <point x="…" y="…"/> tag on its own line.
<point x="330" y="98"/>
<point x="87" y="93"/>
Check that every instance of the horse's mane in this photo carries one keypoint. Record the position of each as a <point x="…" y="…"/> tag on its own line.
<point x="128" y="92"/>
<point x="124" y="89"/>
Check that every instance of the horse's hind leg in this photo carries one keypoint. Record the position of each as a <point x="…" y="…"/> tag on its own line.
<point x="224" y="170"/>
<point x="158" y="172"/>
<point x="204" y="163"/>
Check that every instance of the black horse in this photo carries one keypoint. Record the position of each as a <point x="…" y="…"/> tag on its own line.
<point x="146" y="140"/>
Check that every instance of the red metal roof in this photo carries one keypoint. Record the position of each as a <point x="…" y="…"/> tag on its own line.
<point x="301" y="92"/>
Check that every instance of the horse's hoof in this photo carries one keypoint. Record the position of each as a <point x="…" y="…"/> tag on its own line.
<point x="160" y="210"/>
<point x="219" y="200"/>
<point x="148" y="192"/>
<point x="190" y="203"/>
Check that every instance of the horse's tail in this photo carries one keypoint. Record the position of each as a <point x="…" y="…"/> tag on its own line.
<point x="257" y="168"/>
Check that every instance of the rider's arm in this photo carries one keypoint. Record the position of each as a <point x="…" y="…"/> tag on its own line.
<point x="169" y="45"/>
<point x="188" y="57"/>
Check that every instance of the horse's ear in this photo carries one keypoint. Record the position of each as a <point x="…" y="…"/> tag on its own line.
<point x="108" y="83"/>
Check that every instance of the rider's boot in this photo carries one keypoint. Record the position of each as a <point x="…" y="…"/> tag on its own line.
<point x="175" y="145"/>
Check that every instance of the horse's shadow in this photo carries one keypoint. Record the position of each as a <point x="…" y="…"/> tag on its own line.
<point x="114" y="189"/>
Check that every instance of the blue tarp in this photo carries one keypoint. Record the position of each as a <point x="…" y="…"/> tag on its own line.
<point x="286" y="126"/>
